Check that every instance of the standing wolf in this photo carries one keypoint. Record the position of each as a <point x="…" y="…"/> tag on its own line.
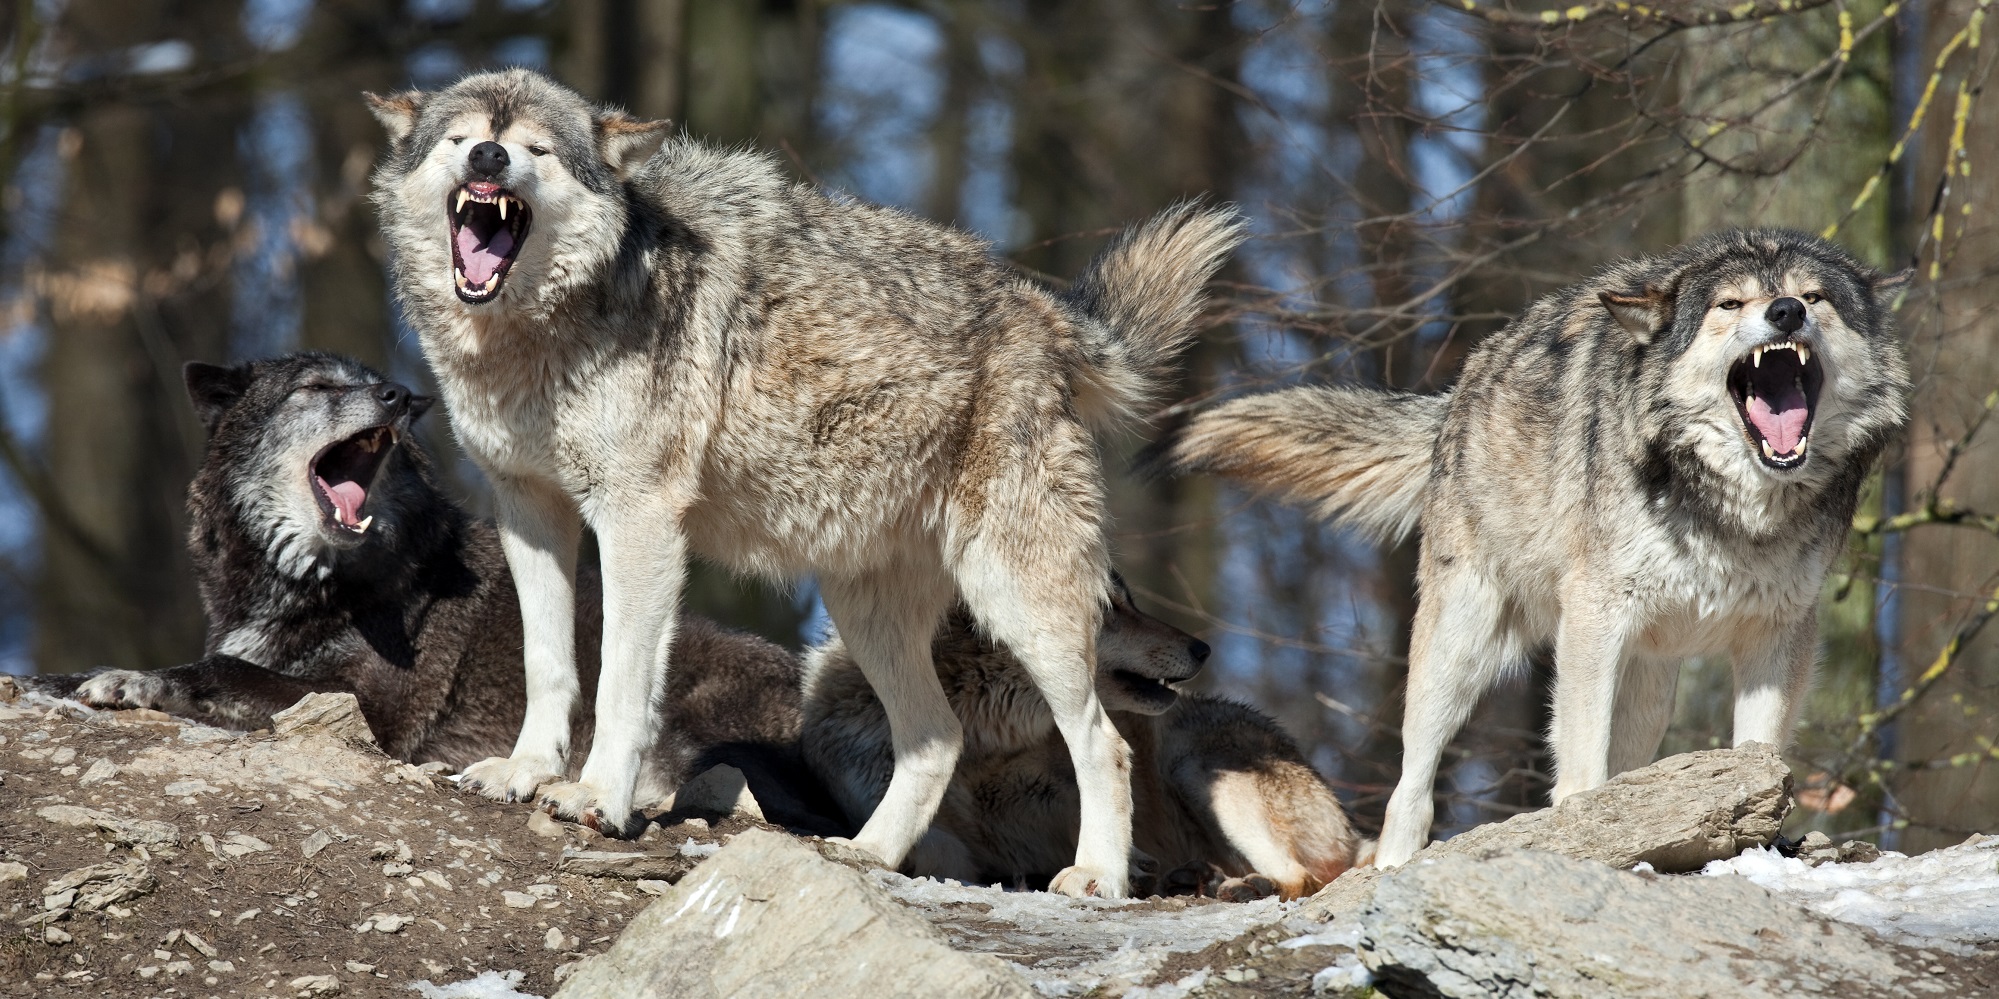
<point x="676" y="345"/>
<point x="1659" y="462"/>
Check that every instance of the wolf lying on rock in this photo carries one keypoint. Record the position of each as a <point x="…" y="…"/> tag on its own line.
<point x="329" y="560"/>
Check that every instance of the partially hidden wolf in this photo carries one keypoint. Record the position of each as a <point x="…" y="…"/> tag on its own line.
<point x="696" y="356"/>
<point x="1659" y="462"/>
<point x="328" y="560"/>
<point x="1222" y="798"/>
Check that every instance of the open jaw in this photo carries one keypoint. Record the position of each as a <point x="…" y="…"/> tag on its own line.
<point x="488" y="226"/>
<point x="1151" y="693"/>
<point x="343" y="473"/>
<point x="1776" y="392"/>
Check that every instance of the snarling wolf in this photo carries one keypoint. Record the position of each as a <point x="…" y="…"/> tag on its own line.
<point x="328" y="560"/>
<point x="1659" y="462"/>
<point x="692" y="354"/>
<point x="1222" y="798"/>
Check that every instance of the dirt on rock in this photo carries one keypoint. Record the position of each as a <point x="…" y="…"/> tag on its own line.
<point x="143" y="856"/>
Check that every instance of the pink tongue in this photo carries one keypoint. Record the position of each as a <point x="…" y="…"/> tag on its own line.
<point x="1782" y="425"/>
<point x="480" y="262"/>
<point x="346" y="497"/>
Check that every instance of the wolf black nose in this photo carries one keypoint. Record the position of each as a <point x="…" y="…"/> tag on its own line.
<point x="487" y="159"/>
<point x="1199" y="650"/>
<point x="391" y="395"/>
<point x="1786" y="314"/>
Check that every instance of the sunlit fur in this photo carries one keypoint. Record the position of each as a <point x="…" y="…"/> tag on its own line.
<point x="1590" y="485"/>
<point x="1219" y="791"/>
<point x="694" y="355"/>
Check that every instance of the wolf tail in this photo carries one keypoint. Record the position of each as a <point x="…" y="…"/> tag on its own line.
<point x="1145" y="290"/>
<point x="1357" y="456"/>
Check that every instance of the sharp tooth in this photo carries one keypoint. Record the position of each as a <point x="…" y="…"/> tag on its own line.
<point x="1802" y="441"/>
<point x="1804" y="354"/>
<point x="1756" y="357"/>
<point x="503" y="207"/>
<point x="1768" y="451"/>
<point x="463" y="194"/>
<point x="362" y="527"/>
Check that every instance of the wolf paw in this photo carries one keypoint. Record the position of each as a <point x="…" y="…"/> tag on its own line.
<point x="1081" y="882"/>
<point x="1247" y="888"/>
<point x="122" y="688"/>
<point x="582" y="803"/>
<point x="506" y="778"/>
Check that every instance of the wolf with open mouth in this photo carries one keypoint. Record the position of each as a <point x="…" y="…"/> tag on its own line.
<point x="1657" y="463"/>
<point x="684" y="348"/>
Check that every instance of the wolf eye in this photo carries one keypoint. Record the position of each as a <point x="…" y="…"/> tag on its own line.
<point x="1729" y="304"/>
<point x="1813" y="298"/>
<point x="538" y="150"/>
<point x="457" y="140"/>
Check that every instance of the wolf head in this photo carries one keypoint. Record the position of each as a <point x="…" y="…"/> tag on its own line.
<point x="504" y="189"/>
<point x="1776" y="357"/>
<point x="1140" y="657"/>
<point x="309" y="453"/>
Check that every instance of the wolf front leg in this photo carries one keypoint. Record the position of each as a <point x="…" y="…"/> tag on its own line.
<point x="539" y="529"/>
<point x="644" y="557"/>
<point x="1771" y="678"/>
<point x="1589" y="659"/>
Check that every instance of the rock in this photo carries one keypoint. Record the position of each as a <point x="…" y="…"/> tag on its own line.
<point x="11" y="871"/>
<point x="628" y="866"/>
<point x="316" y="842"/>
<point x="99" y="885"/>
<point x="313" y="985"/>
<point x="517" y="899"/>
<point x="721" y="789"/>
<point x="117" y="828"/>
<point x="1516" y="924"/>
<point x="1677" y="815"/>
<point x="10" y="691"/>
<point x="768" y="916"/>
<point x="338" y="715"/>
<point x="100" y="771"/>
<point x="545" y="825"/>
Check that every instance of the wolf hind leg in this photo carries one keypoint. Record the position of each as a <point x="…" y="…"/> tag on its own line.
<point x="539" y="531"/>
<point x="1458" y="648"/>
<point x="888" y="618"/>
<point x="1048" y="618"/>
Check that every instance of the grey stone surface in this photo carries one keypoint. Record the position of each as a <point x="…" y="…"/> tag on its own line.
<point x="768" y="916"/>
<point x="1676" y="815"/>
<point x="116" y="828"/>
<point x="1520" y="924"/>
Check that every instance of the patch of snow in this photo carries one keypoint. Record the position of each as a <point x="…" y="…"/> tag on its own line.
<point x="489" y="985"/>
<point x="1947" y="898"/>
<point x="1347" y="973"/>
<point x="1344" y="937"/>
<point x="1068" y="946"/>
<point x="693" y="849"/>
<point x="1186" y="986"/>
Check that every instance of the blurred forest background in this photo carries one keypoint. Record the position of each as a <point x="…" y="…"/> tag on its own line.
<point x="188" y="179"/>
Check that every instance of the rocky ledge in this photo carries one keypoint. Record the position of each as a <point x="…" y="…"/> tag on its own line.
<point x="143" y="856"/>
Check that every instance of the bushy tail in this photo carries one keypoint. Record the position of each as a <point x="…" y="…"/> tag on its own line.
<point x="1357" y="456"/>
<point x="1146" y="289"/>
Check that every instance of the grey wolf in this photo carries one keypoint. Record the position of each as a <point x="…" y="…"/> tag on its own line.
<point x="677" y="345"/>
<point x="1659" y="462"/>
<point x="1222" y="798"/>
<point x="329" y="560"/>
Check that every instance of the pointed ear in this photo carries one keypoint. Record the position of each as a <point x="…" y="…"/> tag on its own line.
<point x="625" y="142"/>
<point x="1886" y="285"/>
<point x="213" y="388"/>
<point x="396" y="112"/>
<point x="1642" y="315"/>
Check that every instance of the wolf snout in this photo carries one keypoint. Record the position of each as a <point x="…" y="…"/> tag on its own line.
<point x="1787" y="314"/>
<point x="487" y="159"/>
